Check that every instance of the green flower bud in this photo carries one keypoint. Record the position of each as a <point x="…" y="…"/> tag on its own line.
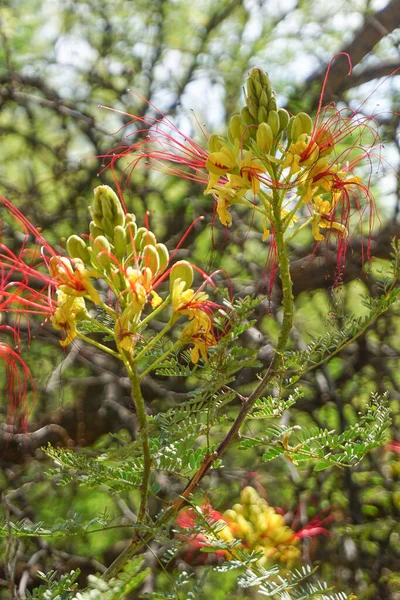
<point x="238" y="508"/>
<point x="302" y="123"/>
<point x="120" y="241"/>
<point x="283" y="118"/>
<point x="150" y="259"/>
<point x="230" y="514"/>
<point x="246" y="117"/>
<point x="254" y="87"/>
<point x="273" y="122"/>
<point x="252" y="105"/>
<point x="144" y="237"/>
<point x="93" y="259"/>
<point x="272" y="105"/>
<point x="289" y="130"/>
<point x="102" y="250"/>
<point x="94" y="230"/>
<point x="181" y="270"/>
<point x="163" y="256"/>
<point x="264" y="137"/>
<point x="108" y="227"/>
<point x="131" y="230"/>
<point x="257" y="82"/>
<point x="107" y="205"/>
<point x="264" y="101"/>
<point x="248" y="495"/>
<point x="77" y="248"/>
<point x="262" y="115"/>
<point x="235" y="129"/>
<point x="216" y="142"/>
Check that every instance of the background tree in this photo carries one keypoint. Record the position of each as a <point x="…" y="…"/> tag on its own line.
<point x="60" y="61"/>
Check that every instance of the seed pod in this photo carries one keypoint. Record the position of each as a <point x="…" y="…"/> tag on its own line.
<point x="120" y="241"/>
<point x="150" y="258"/>
<point x="234" y="130"/>
<point x="302" y="123"/>
<point x="163" y="256"/>
<point x="273" y="122"/>
<point x="181" y="270"/>
<point x="102" y="250"/>
<point x="77" y="248"/>
<point x="264" y="137"/>
<point x="283" y="118"/>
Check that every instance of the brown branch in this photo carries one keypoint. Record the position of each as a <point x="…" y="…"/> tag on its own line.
<point x="374" y="28"/>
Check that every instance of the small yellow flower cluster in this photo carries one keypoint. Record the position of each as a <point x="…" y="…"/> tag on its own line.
<point x="295" y="158"/>
<point x="261" y="528"/>
<point x="131" y="261"/>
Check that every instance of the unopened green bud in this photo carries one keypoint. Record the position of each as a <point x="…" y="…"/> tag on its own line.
<point x="302" y="123"/>
<point x="252" y="105"/>
<point x="235" y="129"/>
<point x="257" y="82"/>
<point x="107" y="205"/>
<point x="131" y="231"/>
<point x="144" y="236"/>
<point x="254" y="87"/>
<point x="93" y="258"/>
<point x="273" y="122"/>
<point x="262" y="115"/>
<point x="181" y="270"/>
<point x="289" y="130"/>
<point x="120" y="241"/>
<point x="163" y="256"/>
<point x="77" y="248"/>
<point x="264" y="101"/>
<point x="265" y="138"/>
<point x="94" y="230"/>
<point x="102" y="249"/>
<point x="246" y="117"/>
<point x="230" y="514"/>
<point x="283" y="118"/>
<point x="150" y="259"/>
<point x="272" y="104"/>
<point x="216" y="142"/>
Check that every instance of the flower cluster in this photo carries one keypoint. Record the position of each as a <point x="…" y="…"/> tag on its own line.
<point x="257" y="525"/>
<point x="129" y="266"/>
<point x="288" y="168"/>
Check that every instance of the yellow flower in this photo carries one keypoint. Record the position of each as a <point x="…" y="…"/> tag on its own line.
<point x="220" y="163"/>
<point x="195" y="305"/>
<point x="73" y="280"/>
<point x="64" y="318"/>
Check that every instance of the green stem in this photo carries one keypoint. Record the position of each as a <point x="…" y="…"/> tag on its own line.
<point x="155" y="312"/>
<point x="154" y="340"/>
<point x="83" y="337"/>
<point x="160" y="358"/>
<point x="138" y="400"/>
<point x="297" y="230"/>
